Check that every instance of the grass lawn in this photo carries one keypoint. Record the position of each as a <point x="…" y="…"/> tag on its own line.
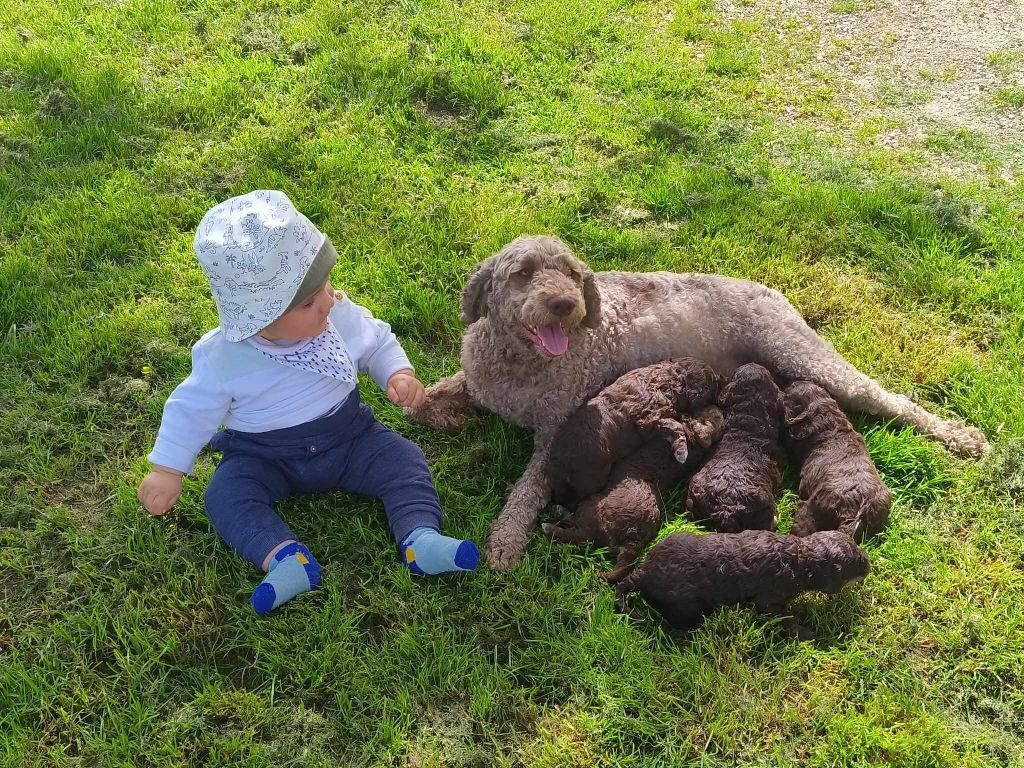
<point x="422" y="136"/>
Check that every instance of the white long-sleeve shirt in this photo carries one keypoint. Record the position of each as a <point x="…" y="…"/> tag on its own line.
<point x="234" y="384"/>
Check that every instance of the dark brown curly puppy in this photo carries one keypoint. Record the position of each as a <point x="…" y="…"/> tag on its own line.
<point x="735" y="490"/>
<point x="627" y="514"/>
<point x="639" y="406"/>
<point x="687" y="576"/>
<point x="840" y="489"/>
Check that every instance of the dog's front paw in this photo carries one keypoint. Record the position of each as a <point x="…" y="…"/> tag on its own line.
<point x="504" y="549"/>
<point x="437" y="415"/>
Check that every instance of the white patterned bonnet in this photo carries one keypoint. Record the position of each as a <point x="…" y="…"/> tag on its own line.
<point x="255" y="250"/>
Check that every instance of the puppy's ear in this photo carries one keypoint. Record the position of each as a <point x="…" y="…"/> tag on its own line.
<point x="477" y="291"/>
<point x="592" y="300"/>
<point x="797" y="426"/>
<point x="707" y="425"/>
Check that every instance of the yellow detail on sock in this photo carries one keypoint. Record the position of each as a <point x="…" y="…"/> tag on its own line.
<point x="302" y="558"/>
<point x="409" y="555"/>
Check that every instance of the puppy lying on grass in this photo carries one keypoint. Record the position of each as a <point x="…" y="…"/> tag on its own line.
<point x="640" y="406"/>
<point x="626" y="515"/>
<point x="840" y="489"/>
<point x="687" y="576"/>
<point x="735" y="490"/>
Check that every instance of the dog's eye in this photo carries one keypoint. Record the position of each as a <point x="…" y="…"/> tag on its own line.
<point x="574" y="274"/>
<point x="525" y="272"/>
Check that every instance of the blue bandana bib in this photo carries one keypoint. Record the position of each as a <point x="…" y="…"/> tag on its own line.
<point x="325" y="354"/>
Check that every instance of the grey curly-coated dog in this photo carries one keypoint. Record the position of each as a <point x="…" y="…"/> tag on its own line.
<point x="546" y="334"/>
<point x="840" y="488"/>
<point x="686" y="576"/>
<point x="626" y="515"/>
<point x="640" y="405"/>
<point x="735" y="490"/>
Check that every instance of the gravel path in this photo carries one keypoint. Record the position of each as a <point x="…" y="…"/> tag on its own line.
<point x="923" y="67"/>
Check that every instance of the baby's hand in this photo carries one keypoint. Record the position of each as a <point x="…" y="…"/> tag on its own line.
<point x="406" y="390"/>
<point x="160" y="490"/>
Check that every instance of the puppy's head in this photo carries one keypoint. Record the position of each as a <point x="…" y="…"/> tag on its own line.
<point x="537" y="289"/>
<point x="810" y="410"/>
<point x="752" y="391"/>
<point x="836" y="560"/>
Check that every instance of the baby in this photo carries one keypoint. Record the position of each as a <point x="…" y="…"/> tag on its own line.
<point x="280" y="374"/>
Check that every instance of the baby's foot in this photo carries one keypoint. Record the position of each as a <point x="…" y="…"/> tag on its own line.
<point x="427" y="553"/>
<point x="293" y="571"/>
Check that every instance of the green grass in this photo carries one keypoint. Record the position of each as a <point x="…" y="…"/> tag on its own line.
<point x="1006" y="62"/>
<point x="1009" y="97"/>
<point x="422" y="136"/>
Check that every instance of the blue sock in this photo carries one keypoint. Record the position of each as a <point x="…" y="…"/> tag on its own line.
<point x="293" y="570"/>
<point x="426" y="552"/>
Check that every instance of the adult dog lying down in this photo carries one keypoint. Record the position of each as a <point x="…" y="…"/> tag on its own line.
<point x="546" y="334"/>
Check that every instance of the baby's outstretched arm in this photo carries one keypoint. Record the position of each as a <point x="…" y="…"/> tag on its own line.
<point x="160" y="489"/>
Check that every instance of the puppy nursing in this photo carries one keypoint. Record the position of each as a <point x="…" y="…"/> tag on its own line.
<point x="640" y="406"/>
<point x="627" y="514"/>
<point x="839" y="486"/>
<point x="652" y="427"/>
<point x="735" y="490"/>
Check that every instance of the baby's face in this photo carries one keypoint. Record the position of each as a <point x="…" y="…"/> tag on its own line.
<point x="306" y="320"/>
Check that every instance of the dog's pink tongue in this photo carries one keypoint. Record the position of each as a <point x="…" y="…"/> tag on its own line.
<point x="553" y="338"/>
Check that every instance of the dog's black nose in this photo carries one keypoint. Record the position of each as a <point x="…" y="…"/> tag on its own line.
<point x="561" y="306"/>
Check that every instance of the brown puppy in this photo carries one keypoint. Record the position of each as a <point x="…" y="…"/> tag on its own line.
<point x="627" y="514"/>
<point x="840" y="489"/>
<point x="735" y="490"/>
<point x="637" y="407"/>
<point x="687" y="576"/>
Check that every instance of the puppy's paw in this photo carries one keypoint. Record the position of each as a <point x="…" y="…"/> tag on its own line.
<point x="562" y="512"/>
<point x="682" y="452"/>
<point x="796" y="631"/>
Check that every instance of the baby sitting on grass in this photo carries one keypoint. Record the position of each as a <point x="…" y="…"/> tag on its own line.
<point x="280" y="374"/>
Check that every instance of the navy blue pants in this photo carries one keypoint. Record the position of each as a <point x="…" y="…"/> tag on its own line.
<point x="348" y="450"/>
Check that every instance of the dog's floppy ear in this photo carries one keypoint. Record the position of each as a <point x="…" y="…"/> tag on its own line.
<point x="592" y="300"/>
<point x="475" y="294"/>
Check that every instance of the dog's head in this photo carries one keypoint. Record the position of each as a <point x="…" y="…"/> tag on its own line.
<point x="835" y="561"/>
<point x="538" y="289"/>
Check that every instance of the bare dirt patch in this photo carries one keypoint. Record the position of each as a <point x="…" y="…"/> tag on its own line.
<point x="942" y="73"/>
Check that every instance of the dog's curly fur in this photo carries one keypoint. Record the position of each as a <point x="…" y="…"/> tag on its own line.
<point x="735" y="490"/>
<point x="840" y="488"/>
<point x="618" y="321"/>
<point x="627" y="514"/>
<point x="687" y="576"/>
<point x="641" y="405"/>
